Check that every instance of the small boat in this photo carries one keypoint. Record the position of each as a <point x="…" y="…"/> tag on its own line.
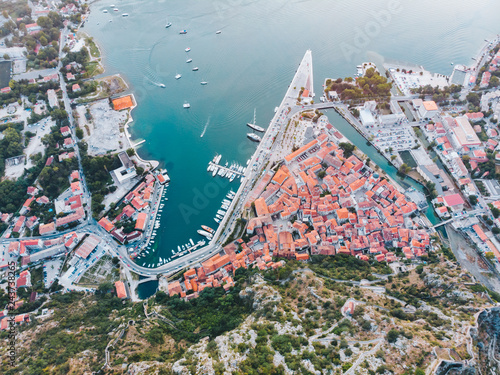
<point x="116" y="9"/>
<point x="189" y="60"/>
<point x="124" y="14"/>
<point x="208" y="229"/>
<point x="232" y="177"/>
<point x="218" y="31"/>
<point x="203" y="83"/>
<point x="195" y="69"/>
<point x="168" y="25"/>
<point x="186" y="105"/>
<point x="177" y="76"/>
<point x="217" y="220"/>
<point x="254" y="137"/>
<point x="205" y="234"/>
<point x="162" y="85"/>
<point x="105" y="11"/>
<point x="192" y="242"/>
<point x="183" y="32"/>
<point x="253" y="125"/>
<point x="215" y="171"/>
<point x="187" y="49"/>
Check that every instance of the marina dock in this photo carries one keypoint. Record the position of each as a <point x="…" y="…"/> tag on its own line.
<point x="189" y="249"/>
<point x="228" y="170"/>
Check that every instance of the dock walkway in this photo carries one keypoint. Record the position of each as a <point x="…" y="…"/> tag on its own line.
<point x="228" y="170"/>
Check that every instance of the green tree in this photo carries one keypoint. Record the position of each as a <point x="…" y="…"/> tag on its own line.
<point x="43" y="41"/>
<point x="473" y="199"/>
<point x="494" y="81"/>
<point x="495" y="211"/>
<point x="348" y="148"/>
<point x="79" y="133"/>
<point x="392" y="336"/>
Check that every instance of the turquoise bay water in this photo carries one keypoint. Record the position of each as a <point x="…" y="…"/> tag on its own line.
<point x="249" y="65"/>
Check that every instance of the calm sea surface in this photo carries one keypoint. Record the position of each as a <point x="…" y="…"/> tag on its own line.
<point x="249" y="65"/>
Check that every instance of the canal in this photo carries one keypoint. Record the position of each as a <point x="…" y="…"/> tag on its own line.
<point x="361" y="143"/>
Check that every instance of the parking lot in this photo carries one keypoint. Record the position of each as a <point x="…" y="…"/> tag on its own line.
<point x="407" y="82"/>
<point x="51" y="271"/>
<point x="399" y="139"/>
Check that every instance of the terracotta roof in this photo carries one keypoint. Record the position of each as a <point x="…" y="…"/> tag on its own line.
<point x="120" y="289"/>
<point x="123" y="103"/>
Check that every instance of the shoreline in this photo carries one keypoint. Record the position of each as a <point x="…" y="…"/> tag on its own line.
<point x="153" y="164"/>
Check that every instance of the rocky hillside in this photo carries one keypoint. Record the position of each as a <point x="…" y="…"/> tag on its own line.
<point x="333" y="315"/>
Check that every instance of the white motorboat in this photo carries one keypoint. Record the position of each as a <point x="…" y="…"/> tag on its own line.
<point x="204" y="233"/>
<point x="186" y="105"/>
<point x="177" y="76"/>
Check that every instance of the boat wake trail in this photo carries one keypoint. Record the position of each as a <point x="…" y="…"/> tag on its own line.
<point x="205" y="128"/>
<point x="154" y="80"/>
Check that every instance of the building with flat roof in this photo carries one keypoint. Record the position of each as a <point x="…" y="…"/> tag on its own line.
<point x="367" y="118"/>
<point x="463" y="135"/>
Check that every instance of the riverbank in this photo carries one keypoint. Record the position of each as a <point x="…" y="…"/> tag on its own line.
<point x="429" y="215"/>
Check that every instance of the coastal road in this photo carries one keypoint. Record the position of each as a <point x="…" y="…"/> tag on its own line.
<point x="67" y="106"/>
